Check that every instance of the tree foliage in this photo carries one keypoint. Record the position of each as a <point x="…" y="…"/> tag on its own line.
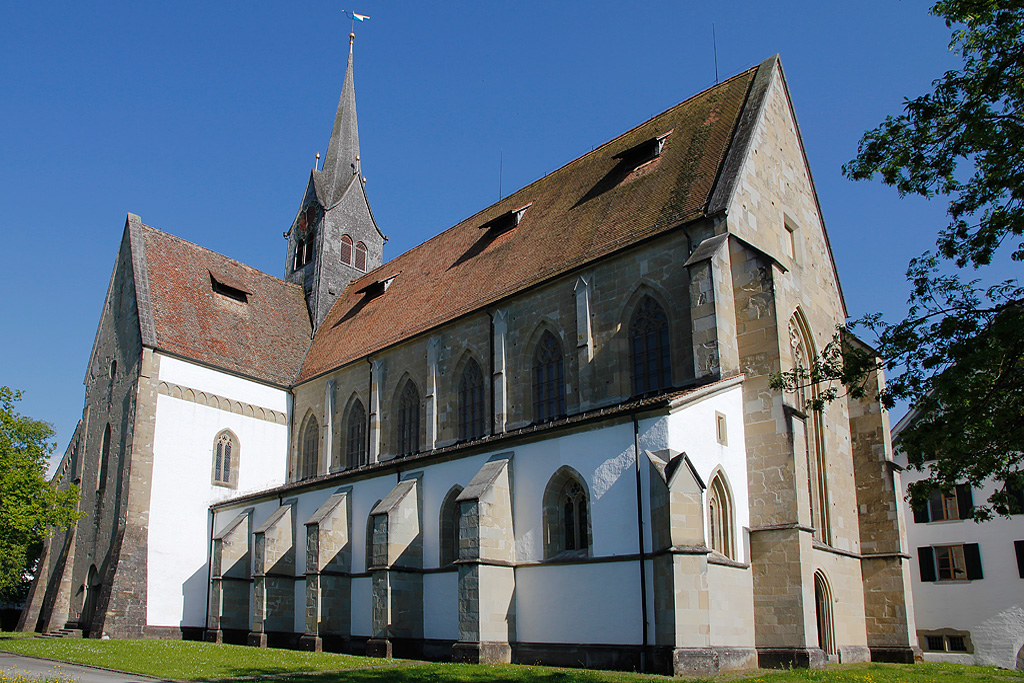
<point x="958" y="356"/>
<point x="29" y="505"/>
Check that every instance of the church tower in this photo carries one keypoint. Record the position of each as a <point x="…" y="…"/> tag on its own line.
<point x="334" y="239"/>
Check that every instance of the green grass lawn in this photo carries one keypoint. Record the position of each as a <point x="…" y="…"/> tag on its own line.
<point x="194" y="661"/>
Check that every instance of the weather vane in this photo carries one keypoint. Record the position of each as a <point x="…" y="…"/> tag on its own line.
<point x="355" y="17"/>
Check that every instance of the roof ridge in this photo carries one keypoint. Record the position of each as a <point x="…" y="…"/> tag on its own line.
<point x="217" y="253"/>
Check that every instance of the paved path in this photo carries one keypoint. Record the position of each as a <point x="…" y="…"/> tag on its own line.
<point x="29" y="666"/>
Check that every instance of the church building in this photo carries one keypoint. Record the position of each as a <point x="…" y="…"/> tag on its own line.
<point x="545" y="435"/>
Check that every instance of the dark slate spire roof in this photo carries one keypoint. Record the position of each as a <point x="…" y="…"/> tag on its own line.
<point x="342" y="160"/>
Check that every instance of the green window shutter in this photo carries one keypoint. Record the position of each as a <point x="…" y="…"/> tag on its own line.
<point x="1018" y="547"/>
<point x="935" y="505"/>
<point x="972" y="557"/>
<point x="926" y="560"/>
<point x="964" y="501"/>
<point x="921" y="515"/>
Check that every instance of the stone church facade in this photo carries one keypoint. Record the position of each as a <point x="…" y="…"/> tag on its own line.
<point x="544" y="435"/>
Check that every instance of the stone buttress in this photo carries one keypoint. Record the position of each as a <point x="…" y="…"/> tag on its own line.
<point x="328" y="572"/>
<point x="273" y="603"/>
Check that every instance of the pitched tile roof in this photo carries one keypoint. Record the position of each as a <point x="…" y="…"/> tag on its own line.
<point x="264" y="338"/>
<point x="587" y="209"/>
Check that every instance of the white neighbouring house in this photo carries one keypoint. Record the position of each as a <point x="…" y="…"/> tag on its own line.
<point x="544" y="435"/>
<point x="968" y="579"/>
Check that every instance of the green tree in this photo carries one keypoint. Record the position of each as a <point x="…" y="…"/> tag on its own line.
<point x="958" y="356"/>
<point x="29" y="505"/>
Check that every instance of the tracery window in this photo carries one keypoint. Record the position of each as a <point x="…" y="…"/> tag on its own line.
<point x="310" y="448"/>
<point x="471" y="402"/>
<point x="720" y="523"/>
<point x="360" y="256"/>
<point x="566" y="515"/>
<point x="650" y="351"/>
<point x="574" y="516"/>
<point x="355" y="435"/>
<point x="451" y="514"/>
<point x="548" y="380"/>
<point x="346" y="250"/>
<point x="225" y="459"/>
<point x="409" y="421"/>
<point x="806" y="393"/>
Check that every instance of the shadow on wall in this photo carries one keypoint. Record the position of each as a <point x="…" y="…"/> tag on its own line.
<point x="194" y="594"/>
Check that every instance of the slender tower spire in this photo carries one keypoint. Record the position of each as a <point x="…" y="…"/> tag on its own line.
<point x="342" y="159"/>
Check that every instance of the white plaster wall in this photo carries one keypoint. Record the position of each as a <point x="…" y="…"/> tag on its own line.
<point x="181" y="488"/>
<point x="693" y="430"/>
<point x="198" y="377"/>
<point x="992" y="608"/>
<point x="582" y="603"/>
<point x="441" y="605"/>
<point x="604" y="458"/>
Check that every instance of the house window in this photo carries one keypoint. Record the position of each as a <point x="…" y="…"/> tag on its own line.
<point x="360" y="256"/>
<point x="346" y="250"/>
<point x="310" y="448"/>
<point x="451" y="514"/>
<point x="355" y="435"/>
<point x="409" y="421"/>
<point x="649" y="348"/>
<point x="225" y="459"/>
<point x="950" y="562"/>
<point x="945" y="506"/>
<point x="471" y="402"/>
<point x="548" y="380"/>
<point x="566" y="515"/>
<point x="720" y="518"/>
<point x="1018" y="548"/>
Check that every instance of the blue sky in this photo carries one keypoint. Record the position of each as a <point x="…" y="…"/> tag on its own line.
<point x="204" y="119"/>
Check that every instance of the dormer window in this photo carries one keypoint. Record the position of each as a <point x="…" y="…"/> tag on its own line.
<point x="505" y="221"/>
<point x="228" y="291"/>
<point x="375" y="289"/>
<point x="640" y="154"/>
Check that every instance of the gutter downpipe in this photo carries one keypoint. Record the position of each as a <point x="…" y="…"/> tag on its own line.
<point x="640" y="543"/>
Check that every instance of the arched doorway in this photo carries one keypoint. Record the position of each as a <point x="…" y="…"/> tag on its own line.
<point x="823" y="612"/>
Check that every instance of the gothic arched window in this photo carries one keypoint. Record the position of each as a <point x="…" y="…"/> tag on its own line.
<point x="310" y="460"/>
<point x="803" y="351"/>
<point x="101" y="482"/>
<point x="360" y="256"/>
<point x="566" y="515"/>
<point x="305" y="238"/>
<point x="225" y="459"/>
<point x="346" y="250"/>
<point x="355" y="435"/>
<point x="649" y="348"/>
<point x="471" y="402"/>
<point x="409" y="421"/>
<point x="451" y="513"/>
<point x="720" y="523"/>
<point x="548" y="380"/>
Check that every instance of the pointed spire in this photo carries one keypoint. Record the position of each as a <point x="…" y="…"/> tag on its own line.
<point x="342" y="159"/>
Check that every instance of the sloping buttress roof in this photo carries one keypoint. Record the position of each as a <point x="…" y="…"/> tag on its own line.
<point x="587" y="209"/>
<point x="264" y="338"/>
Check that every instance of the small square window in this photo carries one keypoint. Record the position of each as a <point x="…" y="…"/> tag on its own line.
<point x="789" y="240"/>
<point x="935" y="643"/>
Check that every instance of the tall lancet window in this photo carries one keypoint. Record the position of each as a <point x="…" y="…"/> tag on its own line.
<point x="225" y="460"/>
<point x="548" y="380"/>
<point x="355" y="427"/>
<point x="471" y="402"/>
<point x="310" y="453"/>
<point x="649" y="348"/>
<point x="409" y="421"/>
<point x="814" y="430"/>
